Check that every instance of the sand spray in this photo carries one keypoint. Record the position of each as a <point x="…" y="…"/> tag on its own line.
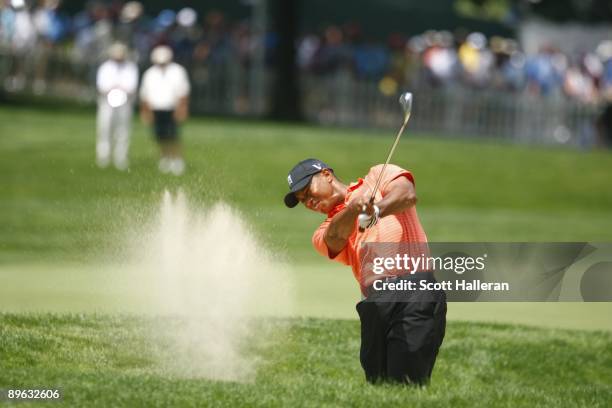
<point x="211" y="283"/>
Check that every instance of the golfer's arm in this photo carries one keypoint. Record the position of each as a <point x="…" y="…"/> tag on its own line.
<point x="398" y="196"/>
<point x="340" y="229"/>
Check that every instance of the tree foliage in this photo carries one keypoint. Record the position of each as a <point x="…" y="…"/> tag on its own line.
<point x="587" y="11"/>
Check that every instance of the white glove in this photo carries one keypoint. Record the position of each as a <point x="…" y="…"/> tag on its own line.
<point x="367" y="221"/>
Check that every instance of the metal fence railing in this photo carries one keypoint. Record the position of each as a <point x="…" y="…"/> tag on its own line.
<point x="455" y="110"/>
<point x="338" y="99"/>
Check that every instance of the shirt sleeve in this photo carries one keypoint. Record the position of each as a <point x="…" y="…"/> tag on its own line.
<point x="392" y="172"/>
<point x="318" y="241"/>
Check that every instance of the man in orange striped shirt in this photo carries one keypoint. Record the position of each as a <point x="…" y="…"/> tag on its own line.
<point x="399" y="339"/>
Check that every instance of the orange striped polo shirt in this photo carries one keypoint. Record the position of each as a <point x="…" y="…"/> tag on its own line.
<point x="403" y="227"/>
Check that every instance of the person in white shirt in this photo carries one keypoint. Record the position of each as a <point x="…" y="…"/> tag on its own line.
<point x="20" y="33"/>
<point x="117" y="83"/>
<point x="164" y="103"/>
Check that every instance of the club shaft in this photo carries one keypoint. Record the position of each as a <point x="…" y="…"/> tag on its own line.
<point x="395" y="143"/>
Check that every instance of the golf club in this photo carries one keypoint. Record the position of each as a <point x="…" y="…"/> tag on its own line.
<point x="405" y="101"/>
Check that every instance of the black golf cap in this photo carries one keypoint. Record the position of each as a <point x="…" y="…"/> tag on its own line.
<point x="300" y="176"/>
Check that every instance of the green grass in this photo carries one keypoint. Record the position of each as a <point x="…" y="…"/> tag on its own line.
<point x="315" y="365"/>
<point x="59" y="212"/>
<point x="326" y="291"/>
<point x="55" y="204"/>
<point x="63" y="221"/>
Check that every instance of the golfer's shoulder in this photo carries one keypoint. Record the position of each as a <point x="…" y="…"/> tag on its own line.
<point x="376" y="168"/>
<point x="391" y="171"/>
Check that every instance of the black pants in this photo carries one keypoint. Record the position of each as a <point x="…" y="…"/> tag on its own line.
<point x="400" y="340"/>
<point x="164" y="126"/>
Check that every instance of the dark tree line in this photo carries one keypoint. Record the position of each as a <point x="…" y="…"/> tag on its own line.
<point x="285" y="88"/>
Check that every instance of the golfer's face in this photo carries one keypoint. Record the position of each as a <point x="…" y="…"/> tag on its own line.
<point x="317" y="195"/>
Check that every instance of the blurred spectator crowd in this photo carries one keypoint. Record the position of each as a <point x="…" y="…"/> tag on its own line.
<point x="444" y="59"/>
<point x="441" y="59"/>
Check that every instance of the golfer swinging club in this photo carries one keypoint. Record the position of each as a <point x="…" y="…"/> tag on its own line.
<point x="399" y="339"/>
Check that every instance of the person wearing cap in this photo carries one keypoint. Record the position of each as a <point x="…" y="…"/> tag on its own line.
<point x="116" y="82"/>
<point x="400" y="338"/>
<point x="164" y="103"/>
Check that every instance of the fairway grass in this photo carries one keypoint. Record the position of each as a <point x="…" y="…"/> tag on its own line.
<point x="56" y="205"/>
<point x="326" y="291"/>
<point x="108" y="361"/>
<point x="64" y="221"/>
<point x="65" y="227"/>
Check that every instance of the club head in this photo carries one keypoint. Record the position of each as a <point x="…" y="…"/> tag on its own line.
<point x="405" y="101"/>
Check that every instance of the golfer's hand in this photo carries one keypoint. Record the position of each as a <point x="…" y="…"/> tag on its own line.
<point x="357" y="203"/>
<point x="366" y="212"/>
<point x="368" y="216"/>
